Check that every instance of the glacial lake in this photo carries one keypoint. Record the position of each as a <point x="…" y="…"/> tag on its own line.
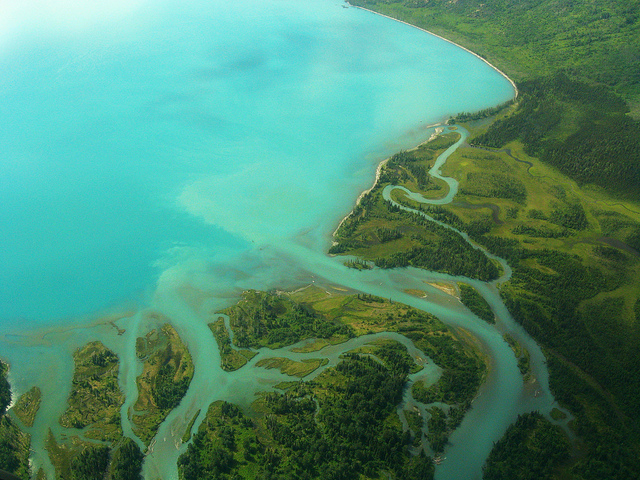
<point x="153" y="147"/>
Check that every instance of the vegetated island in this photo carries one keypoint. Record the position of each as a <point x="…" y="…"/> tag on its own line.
<point x="27" y="406"/>
<point x="97" y="447"/>
<point x="94" y="446"/>
<point x="165" y="378"/>
<point x="344" y="422"/>
<point x="476" y="303"/>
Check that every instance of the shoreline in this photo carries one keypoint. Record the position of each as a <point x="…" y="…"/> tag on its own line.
<point x="433" y="135"/>
<point x="439" y="128"/>
<point x="513" y="84"/>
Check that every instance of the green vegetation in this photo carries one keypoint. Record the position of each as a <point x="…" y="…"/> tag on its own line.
<point x="531" y="449"/>
<point x="230" y="358"/>
<point x="575" y="294"/>
<point x="463" y="372"/>
<point x="391" y="352"/>
<point x="463" y="367"/>
<point x="5" y="388"/>
<point x="479" y="115"/>
<point x="80" y="460"/>
<point x="580" y="129"/>
<point x="358" y="264"/>
<point x="522" y="354"/>
<point x="187" y="433"/>
<point x="95" y="398"/>
<point x="270" y="320"/>
<point x="414" y="419"/>
<point x="14" y="448"/>
<point x="476" y="303"/>
<point x="94" y="405"/>
<point x="380" y="232"/>
<point x="319" y="429"/>
<point x="126" y="461"/>
<point x="26" y="408"/>
<point x="166" y="375"/>
<point x="291" y="367"/>
<point x="91" y="462"/>
<point x="494" y="185"/>
<point x="14" y="444"/>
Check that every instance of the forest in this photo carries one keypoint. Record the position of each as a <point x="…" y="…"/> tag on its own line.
<point x="580" y="129"/>
<point x="14" y="444"/>
<point x="337" y="427"/>
<point x="532" y="449"/>
<point x="476" y="303"/>
<point x="271" y="320"/>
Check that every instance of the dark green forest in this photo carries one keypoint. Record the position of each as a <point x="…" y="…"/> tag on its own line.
<point x="579" y="128"/>
<point x="336" y="428"/>
<point x="532" y="449"/>
<point x="476" y="303"/>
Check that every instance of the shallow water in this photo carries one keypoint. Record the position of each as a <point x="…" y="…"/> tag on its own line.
<point x="164" y="156"/>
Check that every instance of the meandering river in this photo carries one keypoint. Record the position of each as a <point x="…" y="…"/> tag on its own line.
<point x="163" y="156"/>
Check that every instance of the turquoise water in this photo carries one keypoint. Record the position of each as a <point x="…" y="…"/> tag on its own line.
<point x="164" y="156"/>
<point x="145" y="134"/>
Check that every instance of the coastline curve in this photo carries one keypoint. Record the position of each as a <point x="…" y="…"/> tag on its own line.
<point x="513" y="84"/>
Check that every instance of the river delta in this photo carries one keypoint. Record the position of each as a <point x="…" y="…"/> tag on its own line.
<point x="260" y="218"/>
